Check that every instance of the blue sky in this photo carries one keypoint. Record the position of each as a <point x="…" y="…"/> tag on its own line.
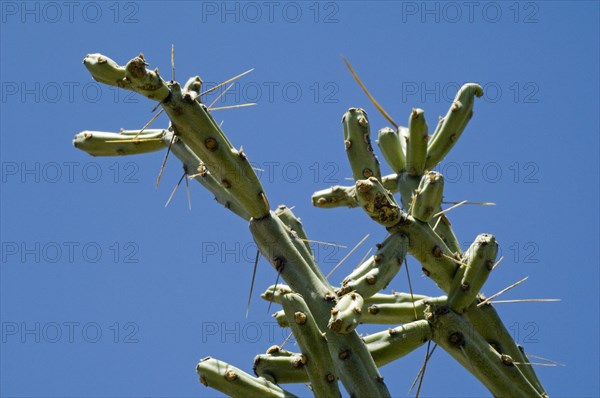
<point x="106" y="293"/>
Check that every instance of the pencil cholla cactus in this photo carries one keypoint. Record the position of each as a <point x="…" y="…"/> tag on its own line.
<point x="324" y="318"/>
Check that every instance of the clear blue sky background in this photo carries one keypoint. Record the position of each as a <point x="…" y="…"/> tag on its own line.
<point x="106" y="293"/>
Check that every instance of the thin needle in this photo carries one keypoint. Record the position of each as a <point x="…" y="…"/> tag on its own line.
<point x="323" y="243"/>
<point x="285" y="341"/>
<point x="424" y="368"/>
<point x="497" y="263"/>
<point x="220" y="95"/>
<point x="225" y="82"/>
<point x="347" y="255"/>
<point x="450" y="208"/>
<point x="472" y="203"/>
<point x="252" y="283"/>
<point x="274" y="287"/>
<point x="487" y="300"/>
<point x="187" y="190"/>
<point x="149" y="123"/>
<point x="412" y="297"/>
<point x="175" y="189"/>
<point x="172" y="62"/>
<point x="526" y="301"/>
<point x="233" y="106"/>
<point x="162" y="168"/>
<point x="360" y="83"/>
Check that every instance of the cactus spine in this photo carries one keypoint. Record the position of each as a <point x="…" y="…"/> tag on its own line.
<point x="323" y="317"/>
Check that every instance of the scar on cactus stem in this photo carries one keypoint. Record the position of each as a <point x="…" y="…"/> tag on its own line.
<point x="325" y="317"/>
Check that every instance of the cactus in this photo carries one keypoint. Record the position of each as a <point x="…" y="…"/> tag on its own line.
<point x="325" y="319"/>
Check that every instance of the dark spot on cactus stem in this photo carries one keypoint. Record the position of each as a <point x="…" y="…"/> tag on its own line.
<point x="495" y="345"/>
<point x="437" y="252"/>
<point x="278" y="263"/>
<point x="300" y="318"/>
<point x="425" y="271"/>
<point x="211" y="144"/>
<point x="371" y="279"/>
<point x="367" y="173"/>
<point x="230" y="375"/>
<point x="274" y="349"/>
<point x="344" y="354"/>
<point x="357" y="310"/>
<point x="321" y="201"/>
<point x="464" y="287"/>
<point x="457" y="339"/>
<point x="453" y="138"/>
<point x="226" y="183"/>
<point x="506" y="360"/>
<point x="347" y="144"/>
<point x="379" y="379"/>
<point x="329" y="297"/>
<point x="489" y="265"/>
<point x="373" y="310"/>
<point x="203" y="381"/>
<point x="363" y="121"/>
<point x="335" y="311"/>
<point x="456" y="105"/>
<point x="377" y="257"/>
<point x="443" y="310"/>
<point x="330" y="378"/>
<point x="297" y="362"/>
<point x="391" y="331"/>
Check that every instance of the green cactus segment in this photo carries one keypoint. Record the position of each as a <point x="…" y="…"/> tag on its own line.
<point x="471" y="276"/>
<point x="345" y="316"/>
<point x="416" y="144"/>
<point x="388" y="142"/>
<point x="427" y="198"/>
<point x="429" y="249"/>
<point x="407" y="185"/>
<point x="395" y="297"/>
<point x="344" y="196"/>
<point x="337" y="196"/>
<point x="235" y="382"/>
<point x="488" y="324"/>
<point x="196" y="168"/>
<point x="287" y="216"/>
<point x="300" y="239"/>
<point x="392" y="344"/>
<point x="351" y="358"/>
<point x="298" y="236"/>
<point x="193" y="85"/>
<point x="394" y="313"/>
<point x="497" y="372"/>
<point x="135" y="77"/>
<point x="319" y="367"/>
<point x="390" y="182"/>
<point x="379" y="270"/>
<point x="274" y="293"/>
<point x="377" y="202"/>
<point x="100" y="143"/>
<point x="203" y="136"/>
<point x="104" y="69"/>
<point x="279" y="366"/>
<point x="453" y="124"/>
<point x="358" y="145"/>
<point x="281" y="319"/>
